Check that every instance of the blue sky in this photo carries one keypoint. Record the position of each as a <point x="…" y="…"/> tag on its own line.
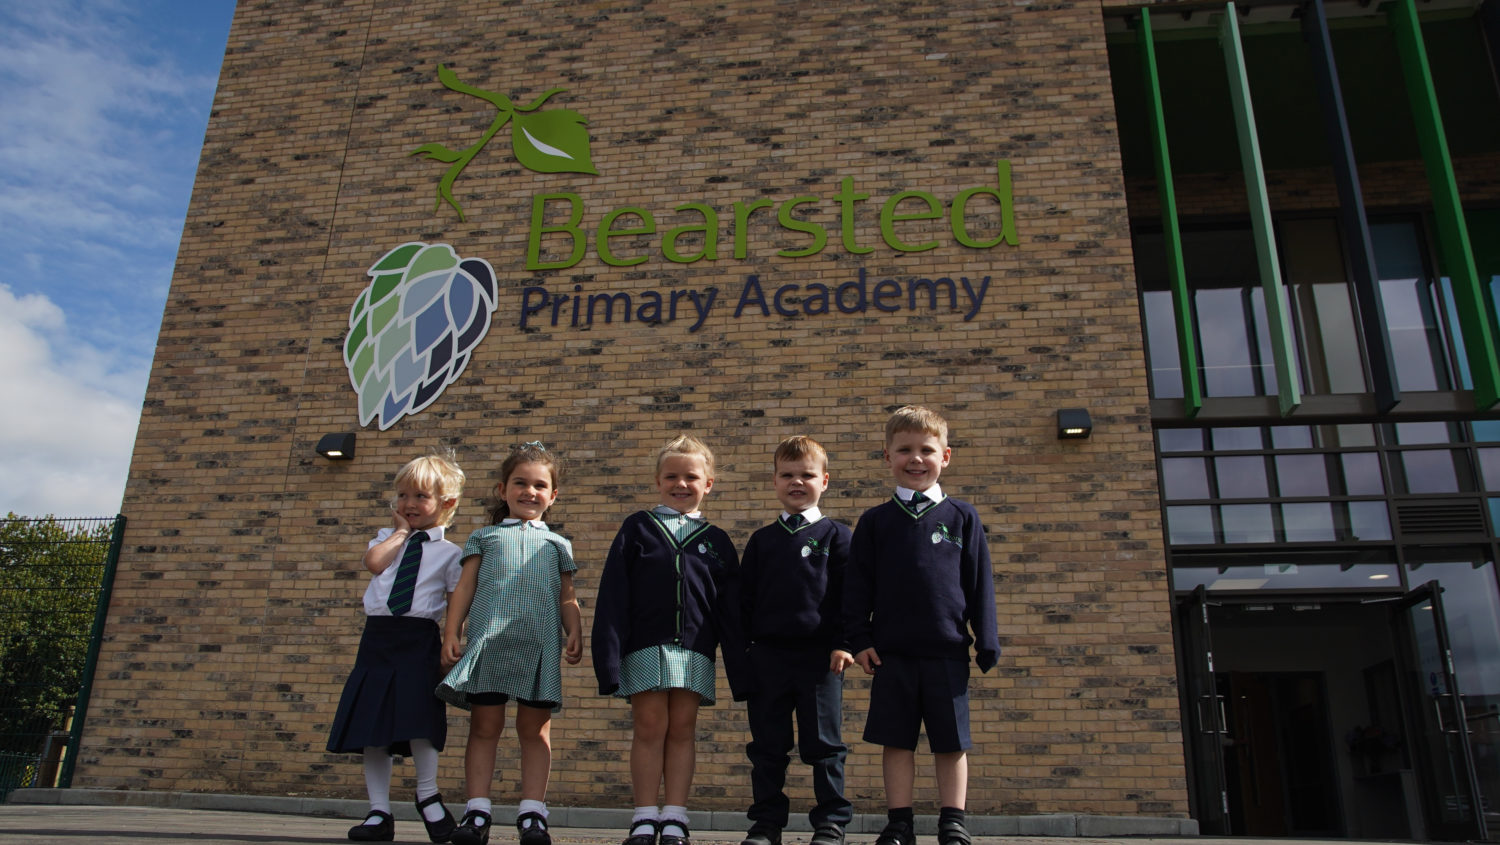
<point x="103" y="104"/>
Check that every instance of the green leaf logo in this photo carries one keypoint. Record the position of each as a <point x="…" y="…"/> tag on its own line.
<point x="543" y="142"/>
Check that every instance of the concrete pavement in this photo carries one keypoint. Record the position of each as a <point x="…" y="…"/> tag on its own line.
<point x="101" y="817"/>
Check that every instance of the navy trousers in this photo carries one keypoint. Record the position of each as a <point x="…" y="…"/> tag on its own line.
<point x="796" y="683"/>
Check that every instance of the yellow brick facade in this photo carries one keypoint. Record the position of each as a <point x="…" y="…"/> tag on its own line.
<point x="236" y="609"/>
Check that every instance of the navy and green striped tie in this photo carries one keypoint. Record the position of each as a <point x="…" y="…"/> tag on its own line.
<point x="406" y="575"/>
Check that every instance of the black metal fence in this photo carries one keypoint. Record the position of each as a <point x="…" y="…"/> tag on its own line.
<point x="55" y="577"/>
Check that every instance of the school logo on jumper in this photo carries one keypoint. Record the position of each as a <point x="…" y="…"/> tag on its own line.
<point x="412" y="329"/>
<point x="812" y="547"/>
<point x="943" y="533"/>
<point x="543" y="141"/>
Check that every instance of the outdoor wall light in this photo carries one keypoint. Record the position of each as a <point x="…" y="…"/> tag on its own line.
<point x="337" y="447"/>
<point x="1073" y="423"/>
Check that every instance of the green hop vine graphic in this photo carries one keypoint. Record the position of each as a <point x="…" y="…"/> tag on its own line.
<point x="543" y="142"/>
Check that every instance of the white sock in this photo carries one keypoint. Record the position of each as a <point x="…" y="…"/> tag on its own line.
<point x="674" y="820"/>
<point x="647" y="815"/>
<point x="425" y="758"/>
<point x="378" y="781"/>
<point x="530" y="806"/>
<point x="483" y="805"/>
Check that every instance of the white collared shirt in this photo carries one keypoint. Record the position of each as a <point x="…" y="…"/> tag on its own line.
<point x="435" y="580"/>
<point x="812" y="515"/>
<point x="934" y="494"/>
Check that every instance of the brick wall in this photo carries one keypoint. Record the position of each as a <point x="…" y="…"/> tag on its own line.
<point x="236" y="610"/>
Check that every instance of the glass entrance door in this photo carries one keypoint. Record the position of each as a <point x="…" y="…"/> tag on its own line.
<point x="1204" y="710"/>
<point x="1436" y="722"/>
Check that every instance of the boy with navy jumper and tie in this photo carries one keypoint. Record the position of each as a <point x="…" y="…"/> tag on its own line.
<point x="791" y="580"/>
<point x="918" y="593"/>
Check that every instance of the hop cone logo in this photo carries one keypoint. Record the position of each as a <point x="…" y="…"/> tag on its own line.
<point x="412" y="329"/>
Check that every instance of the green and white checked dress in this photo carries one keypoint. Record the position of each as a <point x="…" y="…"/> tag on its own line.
<point x="666" y="667"/>
<point x="515" y="634"/>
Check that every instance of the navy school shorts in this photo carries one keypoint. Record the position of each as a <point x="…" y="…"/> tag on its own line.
<point x="910" y="692"/>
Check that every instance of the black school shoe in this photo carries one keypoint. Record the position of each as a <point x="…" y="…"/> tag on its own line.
<point x="669" y="839"/>
<point x="642" y="838"/>
<point x="896" y="833"/>
<point x="473" y="830"/>
<point x="442" y="829"/>
<point x="953" y="832"/>
<point x="534" y="833"/>
<point x="827" y="834"/>
<point x="762" y="834"/>
<point x="383" y="832"/>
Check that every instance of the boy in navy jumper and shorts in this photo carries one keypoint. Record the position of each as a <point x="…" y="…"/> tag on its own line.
<point x="792" y="581"/>
<point x="918" y="592"/>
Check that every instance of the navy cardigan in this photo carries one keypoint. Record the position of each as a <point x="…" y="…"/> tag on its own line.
<point x="655" y="591"/>
<point x="919" y="584"/>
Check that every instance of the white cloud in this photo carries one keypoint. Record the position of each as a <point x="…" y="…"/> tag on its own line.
<point x="70" y="421"/>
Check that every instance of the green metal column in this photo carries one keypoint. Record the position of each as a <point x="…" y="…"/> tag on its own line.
<point x="1182" y="305"/>
<point x="96" y="637"/>
<point x="1453" y="235"/>
<point x="1288" y="382"/>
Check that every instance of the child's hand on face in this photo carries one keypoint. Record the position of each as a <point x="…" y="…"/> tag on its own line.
<point x="573" y="649"/>
<point x="398" y="522"/>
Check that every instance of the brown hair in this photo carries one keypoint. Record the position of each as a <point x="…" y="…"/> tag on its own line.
<point x="800" y="447"/>
<point x="526" y="453"/>
<point x="919" y="419"/>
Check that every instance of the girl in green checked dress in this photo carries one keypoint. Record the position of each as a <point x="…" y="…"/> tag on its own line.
<point x="516" y="600"/>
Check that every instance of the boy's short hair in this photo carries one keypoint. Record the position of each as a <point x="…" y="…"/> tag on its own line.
<point x="686" y="444"/>
<point x="919" y="419"/>
<point x="437" y="474"/>
<point x="800" y="447"/>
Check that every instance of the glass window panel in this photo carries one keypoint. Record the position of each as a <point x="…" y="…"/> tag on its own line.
<point x="1242" y="477"/>
<point x="1450" y="320"/>
<point x="1308" y="522"/>
<point x="1411" y="322"/>
<point x="1286" y="576"/>
<point x="1180" y="439"/>
<point x="1362" y="474"/>
<point x="1327" y="337"/>
<point x="1302" y="475"/>
<point x="1486" y="431"/>
<point x="1369" y="521"/>
<point x="1473" y="609"/>
<point x="1489" y="466"/>
<point x="1226" y="327"/>
<point x="1161" y="344"/>
<point x="1247" y="523"/>
<point x="1418" y="433"/>
<point x="1291" y="437"/>
<point x="1184" y="478"/>
<point x="1494" y="515"/>
<point x="1190" y="525"/>
<point x="1237" y="439"/>
<point x="1431" y="471"/>
<point x="1354" y="434"/>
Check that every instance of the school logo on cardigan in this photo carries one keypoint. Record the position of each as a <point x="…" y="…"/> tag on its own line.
<point x="943" y="533"/>
<point x="813" y="547"/>
<point x="542" y="141"/>
<point x="412" y="329"/>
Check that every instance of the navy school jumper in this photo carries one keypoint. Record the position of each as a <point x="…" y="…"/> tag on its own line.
<point x="656" y="591"/>
<point x="920" y="584"/>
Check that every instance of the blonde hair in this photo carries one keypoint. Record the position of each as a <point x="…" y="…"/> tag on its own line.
<point x="800" y="447"/>
<point x="919" y="419"/>
<point x="439" y="475"/>
<point x="688" y="445"/>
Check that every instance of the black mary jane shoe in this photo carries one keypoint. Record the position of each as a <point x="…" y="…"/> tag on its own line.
<point x="534" y="833"/>
<point x="669" y="839"/>
<point x="470" y="833"/>
<point x="383" y="832"/>
<point x="442" y="829"/>
<point x="642" y="838"/>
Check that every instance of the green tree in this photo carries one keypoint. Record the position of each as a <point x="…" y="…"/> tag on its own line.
<point x="50" y="574"/>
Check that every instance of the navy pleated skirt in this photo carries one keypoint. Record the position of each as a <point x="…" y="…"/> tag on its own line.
<point x="388" y="699"/>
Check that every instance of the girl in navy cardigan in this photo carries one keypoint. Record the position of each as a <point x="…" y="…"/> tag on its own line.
<point x="667" y="598"/>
